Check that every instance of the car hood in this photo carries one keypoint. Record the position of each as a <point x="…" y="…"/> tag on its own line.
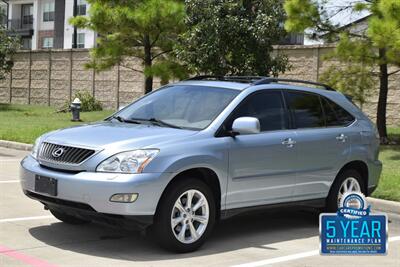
<point x="115" y="134"/>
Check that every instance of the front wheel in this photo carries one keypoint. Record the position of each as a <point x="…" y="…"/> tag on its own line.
<point x="186" y="216"/>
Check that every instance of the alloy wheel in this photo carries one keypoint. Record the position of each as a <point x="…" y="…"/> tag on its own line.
<point x="189" y="217"/>
<point x="350" y="184"/>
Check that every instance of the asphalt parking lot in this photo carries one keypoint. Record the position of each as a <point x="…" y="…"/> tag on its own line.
<point x="30" y="236"/>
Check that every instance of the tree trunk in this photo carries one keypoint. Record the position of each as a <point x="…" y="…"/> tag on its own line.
<point x="148" y="80"/>
<point x="148" y="84"/>
<point x="383" y="93"/>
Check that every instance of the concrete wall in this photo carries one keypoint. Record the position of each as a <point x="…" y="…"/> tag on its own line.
<point x="51" y="77"/>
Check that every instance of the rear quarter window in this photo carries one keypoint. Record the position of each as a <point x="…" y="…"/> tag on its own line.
<point x="335" y="114"/>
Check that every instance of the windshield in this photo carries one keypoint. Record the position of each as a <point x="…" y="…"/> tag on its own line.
<point x="183" y="106"/>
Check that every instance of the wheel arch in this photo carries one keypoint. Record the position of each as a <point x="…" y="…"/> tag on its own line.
<point x="359" y="166"/>
<point x="205" y="174"/>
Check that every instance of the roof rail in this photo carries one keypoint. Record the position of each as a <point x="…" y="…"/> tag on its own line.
<point x="243" y="79"/>
<point x="256" y="80"/>
<point x="268" y="80"/>
<point x="205" y="77"/>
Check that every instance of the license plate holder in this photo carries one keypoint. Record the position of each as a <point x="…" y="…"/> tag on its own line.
<point x="46" y="185"/>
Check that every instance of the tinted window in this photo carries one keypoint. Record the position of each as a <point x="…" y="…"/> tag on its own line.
<point x="335" y="114"/>
<point x="306" y="109"/>
<point x="267" y="107"/>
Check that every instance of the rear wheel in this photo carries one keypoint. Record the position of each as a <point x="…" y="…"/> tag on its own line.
<point x="186" y="216"/>
<point x="347" y="181"/>
<point x="68" y="218"/>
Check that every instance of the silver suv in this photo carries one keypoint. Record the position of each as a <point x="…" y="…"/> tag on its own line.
<point x="191" y="153"/>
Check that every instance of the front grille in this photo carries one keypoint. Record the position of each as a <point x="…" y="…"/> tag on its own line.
<point x="64" y="154"/>
<point x="61" y="169"/>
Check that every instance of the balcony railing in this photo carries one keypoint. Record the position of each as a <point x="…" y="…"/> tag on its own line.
<point x="21" y="27"/>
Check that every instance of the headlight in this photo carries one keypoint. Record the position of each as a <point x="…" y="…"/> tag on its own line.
<point x="35" y="149"/>
<point x="128" y="162"/>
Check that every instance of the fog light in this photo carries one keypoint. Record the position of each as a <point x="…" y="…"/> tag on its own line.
<point x="124" y="197"/>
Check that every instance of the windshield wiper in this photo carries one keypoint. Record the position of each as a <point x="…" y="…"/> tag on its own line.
<point x="159" y="122"/>
<point x="164" y="123"/>
<point x="120" y="119"/>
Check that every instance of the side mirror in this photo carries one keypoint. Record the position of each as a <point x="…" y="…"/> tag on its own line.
<point x="246" y="125"/>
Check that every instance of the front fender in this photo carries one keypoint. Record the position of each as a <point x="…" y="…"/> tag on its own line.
<point x="210" y="153"/>
<point x="217" y="165"/>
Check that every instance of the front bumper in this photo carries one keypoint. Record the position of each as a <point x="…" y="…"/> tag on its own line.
<point x="94" y="189"/>
<point x="84" y="211"/>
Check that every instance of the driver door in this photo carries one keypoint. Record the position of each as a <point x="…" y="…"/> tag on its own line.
<point x="262" y="166"/>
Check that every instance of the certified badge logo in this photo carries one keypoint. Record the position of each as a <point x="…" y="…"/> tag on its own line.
<point x="353" y="229"/>
<point x="353" y="206"/>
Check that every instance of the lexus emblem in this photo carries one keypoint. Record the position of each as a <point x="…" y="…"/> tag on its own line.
<point x="57" y="152"/>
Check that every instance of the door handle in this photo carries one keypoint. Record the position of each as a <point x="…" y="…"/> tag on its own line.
<point x="289" y="142"/>
<point x="341" y="138"/>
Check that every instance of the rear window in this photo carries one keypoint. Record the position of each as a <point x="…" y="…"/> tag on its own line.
<point x="306" y="109"/>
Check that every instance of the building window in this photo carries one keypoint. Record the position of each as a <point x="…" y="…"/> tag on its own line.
<point x="48" y="12"/>
<point x="48" y="42"/>
<point x="81" y="8"/>
<point x="27" y="14"/>
<point x="81" y="40"/>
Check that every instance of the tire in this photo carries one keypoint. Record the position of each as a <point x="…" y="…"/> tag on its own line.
<point x="166" y="234"/>
<point x="336" y="188"/>
<point x="69" y="219"/>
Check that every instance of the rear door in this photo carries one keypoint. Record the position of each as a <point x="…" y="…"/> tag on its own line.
<point x="322" y="145"/>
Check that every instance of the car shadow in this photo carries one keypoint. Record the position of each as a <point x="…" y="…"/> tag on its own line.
<point x="259" y="230"/>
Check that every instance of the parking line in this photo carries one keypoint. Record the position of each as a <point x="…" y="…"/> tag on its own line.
<point x="9" y="182"/>
<point x="394" y="238"/>
<point x="292" y="257"/>
<point x="280" y="259"/>
<point x="32" y="261"/>
<point x="26" y="218"/>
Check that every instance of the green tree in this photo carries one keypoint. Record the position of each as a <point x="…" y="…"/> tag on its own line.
<point x="354" y="80"/>
<point x="145" y="29"/>
<point x="8" y="46"/>
<point x="375" y="48"/>
<point x="231" y="37"/>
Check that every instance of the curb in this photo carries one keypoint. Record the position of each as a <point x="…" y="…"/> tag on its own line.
<point x="16" y="145"/>
<point x="384" y="205"/>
